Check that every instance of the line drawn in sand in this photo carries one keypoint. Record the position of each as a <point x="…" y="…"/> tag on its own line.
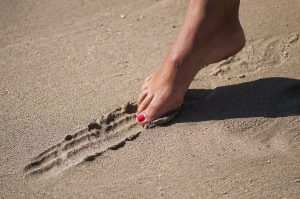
<point x="110" y="132"/>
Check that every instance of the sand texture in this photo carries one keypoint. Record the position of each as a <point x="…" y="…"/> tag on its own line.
<point x="72" y="70"/>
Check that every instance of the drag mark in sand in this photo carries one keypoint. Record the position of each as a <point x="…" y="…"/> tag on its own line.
<point x="111" y="132"/>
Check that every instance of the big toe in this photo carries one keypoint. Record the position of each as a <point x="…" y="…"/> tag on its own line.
<point x="154" y="111"/>
<point x="158" y="107"/>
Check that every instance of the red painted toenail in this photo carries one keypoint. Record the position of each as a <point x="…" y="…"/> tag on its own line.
<point x="141" y="117"/>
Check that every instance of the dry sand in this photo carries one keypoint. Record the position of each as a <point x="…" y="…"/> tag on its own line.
<point x="65" y="63"/>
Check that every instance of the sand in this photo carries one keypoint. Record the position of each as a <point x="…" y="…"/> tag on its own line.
<point x="68" y="69"/>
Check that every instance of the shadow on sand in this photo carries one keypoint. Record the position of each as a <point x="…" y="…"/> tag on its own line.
<point x="269" y="97"/>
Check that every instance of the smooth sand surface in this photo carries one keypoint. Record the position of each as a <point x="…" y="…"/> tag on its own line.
<point x="64" y="64"/>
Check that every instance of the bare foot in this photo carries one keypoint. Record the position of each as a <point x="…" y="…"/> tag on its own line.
<point x="211" y="32"/>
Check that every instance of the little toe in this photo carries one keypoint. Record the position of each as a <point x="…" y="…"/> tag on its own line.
<point x="148" y="78"/>
<point x="144" y="86"/>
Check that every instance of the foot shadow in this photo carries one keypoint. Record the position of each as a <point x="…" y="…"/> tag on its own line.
<point x="269" y="97"/>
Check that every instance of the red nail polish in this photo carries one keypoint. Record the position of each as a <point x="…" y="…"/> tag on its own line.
<point x="141" y="117"/>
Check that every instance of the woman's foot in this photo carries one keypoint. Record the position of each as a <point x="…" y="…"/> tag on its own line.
<point x="211" y="32"/>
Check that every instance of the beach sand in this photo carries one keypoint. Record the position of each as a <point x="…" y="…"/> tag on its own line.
<point x="69" y="69"/>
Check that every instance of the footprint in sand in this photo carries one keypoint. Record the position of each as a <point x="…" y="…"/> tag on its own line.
<point x="111" y="132"/>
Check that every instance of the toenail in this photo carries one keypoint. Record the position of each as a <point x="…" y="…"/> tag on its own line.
<point x="141" y="117"/>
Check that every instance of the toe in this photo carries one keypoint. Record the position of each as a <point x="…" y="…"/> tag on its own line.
<point x="151" y="113"/>
<point x="159" y="107"/>
<point x="148" y="78"/>
<point x="145" y="103"/>
<point x="144" y="86"/>
<point x="142" y="96"/>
